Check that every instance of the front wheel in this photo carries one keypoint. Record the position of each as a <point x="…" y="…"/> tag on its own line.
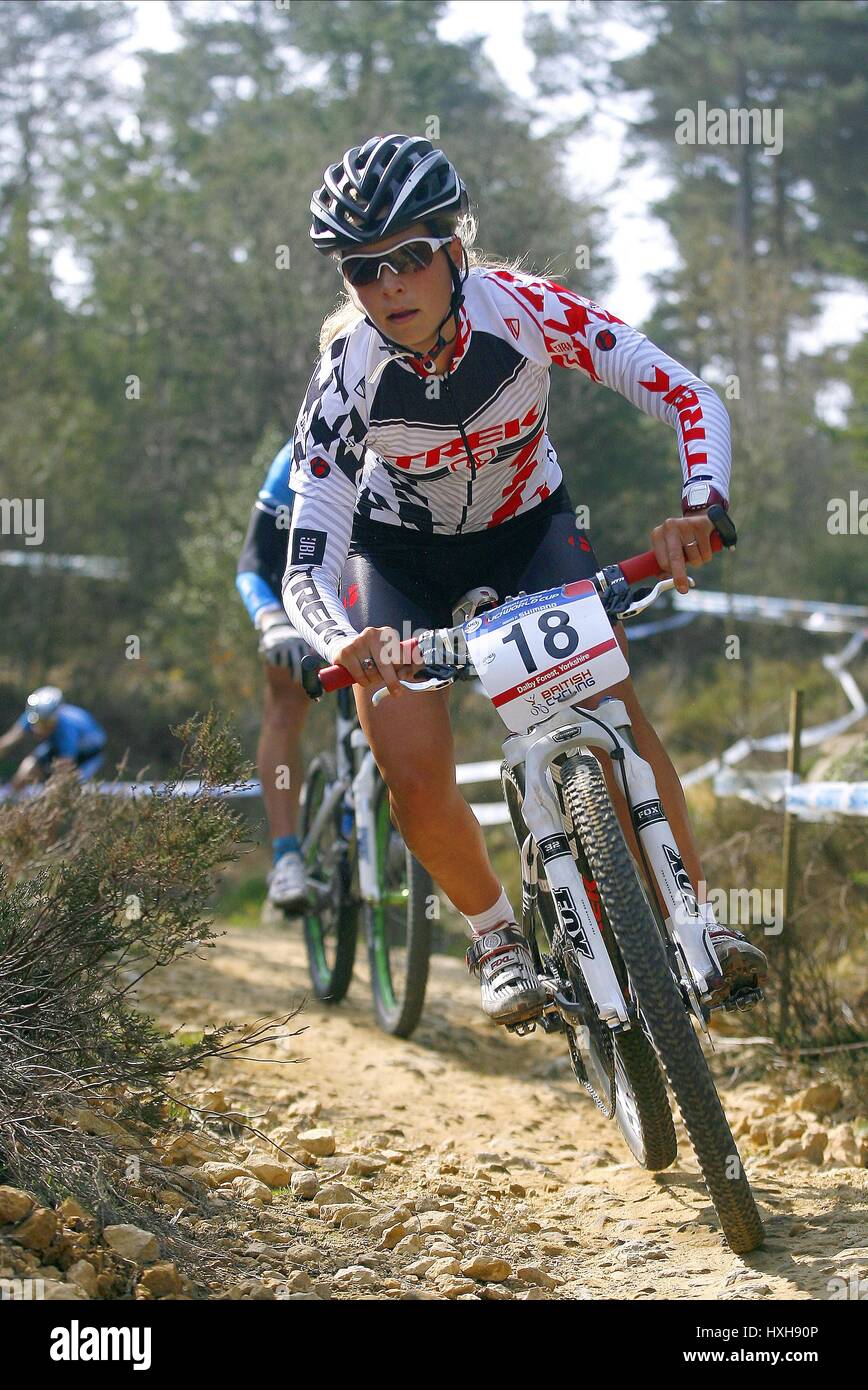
<point x="590" y="809"/>
<point x="398" y="926"/>
<point x="620" y="1071"/>
<point x="331" y="918"/>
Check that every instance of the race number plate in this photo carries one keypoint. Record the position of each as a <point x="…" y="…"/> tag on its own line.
<point x="533" y="653"/>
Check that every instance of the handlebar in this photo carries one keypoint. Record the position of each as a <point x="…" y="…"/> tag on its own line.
<point x="645" y="566"/>
<point x="317" y="678"/>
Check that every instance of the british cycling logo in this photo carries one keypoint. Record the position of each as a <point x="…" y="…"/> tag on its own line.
<point x="605" y="340"/>
<point x="320" y="468"/>
<point x="77" y="1343"/>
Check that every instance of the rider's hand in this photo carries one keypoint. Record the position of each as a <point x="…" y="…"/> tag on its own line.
<point x="380" y="645"/>
<point x="281" y="645"/>
<point x="680" y="541"/>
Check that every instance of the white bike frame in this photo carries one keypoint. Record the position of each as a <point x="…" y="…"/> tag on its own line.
<point x="606" y="728"/>
<point x="362" y="781"/>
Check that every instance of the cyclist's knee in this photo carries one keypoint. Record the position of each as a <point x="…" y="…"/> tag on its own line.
<point x="283" y="698"/>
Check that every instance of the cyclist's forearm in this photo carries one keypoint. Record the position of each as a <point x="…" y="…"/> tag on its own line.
<point x="257" y="596"/>
<point x="311" y="600"/>
<point x="319" y="541"/>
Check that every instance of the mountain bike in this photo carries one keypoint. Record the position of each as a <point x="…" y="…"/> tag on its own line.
<point x="357" y="864"/>
<point x="627" y="982"/>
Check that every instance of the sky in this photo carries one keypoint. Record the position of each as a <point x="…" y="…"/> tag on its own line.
<point x="638" y="244"/>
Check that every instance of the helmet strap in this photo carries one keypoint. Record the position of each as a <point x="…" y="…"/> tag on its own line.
<point x="426" y="359"/>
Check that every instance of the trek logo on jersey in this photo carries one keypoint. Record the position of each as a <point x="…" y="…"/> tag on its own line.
<point x="483" y="444"/>
<point x="308" y="547"/>
<point x="312" y="608"/>
<point x="514" y="327"/>
<point x="320" y="468"/>
<point x="689" y="408"/>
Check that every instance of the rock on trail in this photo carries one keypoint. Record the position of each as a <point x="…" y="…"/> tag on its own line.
<point x="465" y="1164"/>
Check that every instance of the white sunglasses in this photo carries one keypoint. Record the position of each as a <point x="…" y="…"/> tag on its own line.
<point x="416" y="253"/>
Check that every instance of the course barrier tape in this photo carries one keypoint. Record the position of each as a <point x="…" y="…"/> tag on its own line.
<point x="809" y="614"/>
<point x="777" y="743"/>
<point x="774" y="790"/>
<point x="91" y="566"/>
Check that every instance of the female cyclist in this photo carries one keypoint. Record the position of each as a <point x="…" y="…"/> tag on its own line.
<point x="422" y="468"/>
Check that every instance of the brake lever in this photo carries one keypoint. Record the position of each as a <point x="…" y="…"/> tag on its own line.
<point x="659" y="588"/>
<point x="435" y="683"/>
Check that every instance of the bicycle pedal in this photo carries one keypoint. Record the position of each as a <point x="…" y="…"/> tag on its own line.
<point x="551" y="1021"/>
<point x="521" y="1030"/>
<point x="742" y="999"/>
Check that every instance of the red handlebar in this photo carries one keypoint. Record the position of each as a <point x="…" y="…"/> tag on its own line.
<point x="638" y="567"/>
<point x="647" y="566"/>
<point x="336" y="677"/>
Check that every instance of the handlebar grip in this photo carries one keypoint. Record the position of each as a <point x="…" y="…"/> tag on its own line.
<point x="337" y="677"/>
<point x="645" y="566"/>
<point x="334" y="678"/>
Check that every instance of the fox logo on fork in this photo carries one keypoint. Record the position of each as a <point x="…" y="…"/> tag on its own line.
<point x="573" y="927"/>
<point x="682" y="879"/>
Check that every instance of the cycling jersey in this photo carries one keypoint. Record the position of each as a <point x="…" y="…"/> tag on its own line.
<point x="275" y="491"/>
<point x="262" y="561"/>
<point x="380" y="439"/>
<point x="397" y="578"/>
<point x="76" y="735"/>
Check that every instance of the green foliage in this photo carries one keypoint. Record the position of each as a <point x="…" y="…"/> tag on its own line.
<point x="99" y="891"/>
<point x="145" y="407"/>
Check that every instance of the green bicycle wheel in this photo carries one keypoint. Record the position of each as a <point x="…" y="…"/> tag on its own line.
<point x="331" y="919"/>
<point x="398" y="927"/>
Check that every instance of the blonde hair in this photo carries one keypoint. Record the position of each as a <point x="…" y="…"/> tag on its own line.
<point x="346" y="314"/>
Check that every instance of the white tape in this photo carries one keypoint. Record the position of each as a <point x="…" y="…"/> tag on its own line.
<point x="808" y="800"/>
<point x="809" y="614"/>
<point x="91" y="566"/>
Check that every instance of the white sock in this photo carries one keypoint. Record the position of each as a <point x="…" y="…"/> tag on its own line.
<point x="501" y="911"/>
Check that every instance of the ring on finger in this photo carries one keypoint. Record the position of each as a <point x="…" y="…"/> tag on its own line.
<point x="368" y="663"/>
<point x="686" y="543"/>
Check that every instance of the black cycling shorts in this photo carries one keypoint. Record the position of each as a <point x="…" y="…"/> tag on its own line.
<point x="395" y="577"/>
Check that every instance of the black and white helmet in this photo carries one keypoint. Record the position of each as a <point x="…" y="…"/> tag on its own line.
<point x="377" y="188"/>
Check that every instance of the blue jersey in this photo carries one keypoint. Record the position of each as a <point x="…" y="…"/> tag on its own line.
<point x="76" y="735"/>
<point x="263" y="558"/>
<point x="275" y="491"/>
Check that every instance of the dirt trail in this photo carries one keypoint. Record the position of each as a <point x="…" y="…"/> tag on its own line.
<point x="488" y="1137"/>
